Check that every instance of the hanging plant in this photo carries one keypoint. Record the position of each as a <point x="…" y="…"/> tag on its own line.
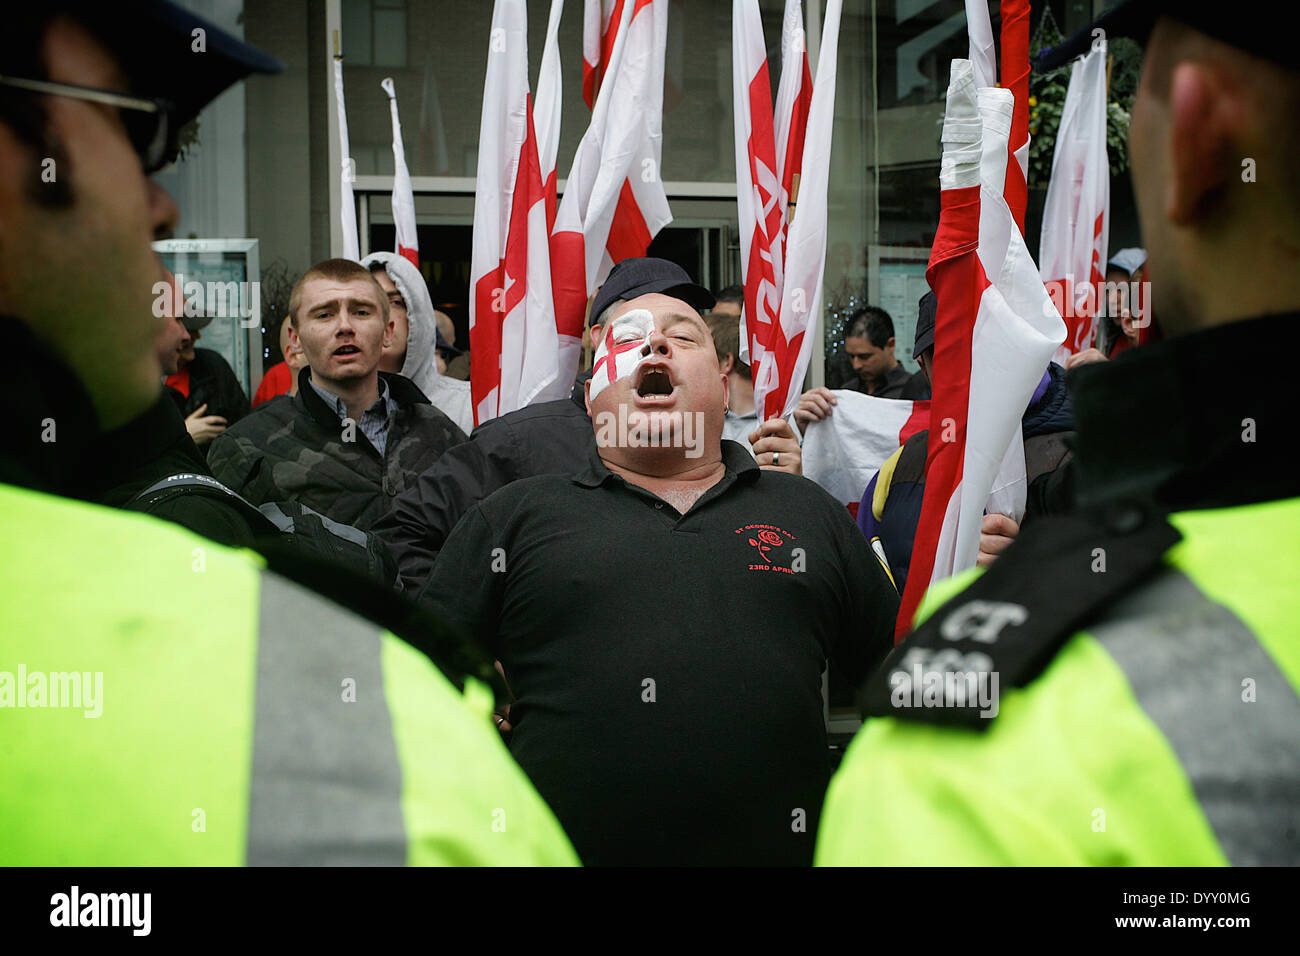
<point x="1047" y="100"/>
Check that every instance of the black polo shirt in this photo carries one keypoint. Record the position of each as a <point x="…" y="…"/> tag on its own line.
<point x="667" y="667"/>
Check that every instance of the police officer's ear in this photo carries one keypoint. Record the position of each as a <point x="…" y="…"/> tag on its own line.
<point x="1205" y="116"/>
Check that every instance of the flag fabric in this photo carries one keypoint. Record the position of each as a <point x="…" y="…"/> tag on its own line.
<point x="546" y="110"/>
<point x="347" y="205"/>
<point x="842" y="451"/>
<point x="513" y="349"/>
<point x="407" y="241"/>
<point x="757" y="188"/>
<point x="979" y="31"/>
<point x="432" y="130"/>
<point x="784" y="256"/>
<point x="600" y="23"/>
<point x="777" y="386"/>
<point x="1015" y="77"/>
<point x="790" y="117"/>
<point x="1076" y="226"/>
<point x="990" y="347"/>
<point x="614" y="201"/>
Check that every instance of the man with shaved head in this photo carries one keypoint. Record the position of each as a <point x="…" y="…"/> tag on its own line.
<point x="664" y="613"/>
<point x="353" y="437"/>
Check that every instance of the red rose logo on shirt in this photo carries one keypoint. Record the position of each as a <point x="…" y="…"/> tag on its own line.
<point x="765" y="538"/>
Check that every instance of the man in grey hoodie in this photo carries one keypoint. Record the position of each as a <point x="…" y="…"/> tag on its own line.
<point x="413" y="353"/>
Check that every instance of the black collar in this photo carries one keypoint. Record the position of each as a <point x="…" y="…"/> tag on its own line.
<point x="401" y="390"/>
<point x="52" y="429"/>
<point x="737" y="461"/>
<point x="1161" y="421"/>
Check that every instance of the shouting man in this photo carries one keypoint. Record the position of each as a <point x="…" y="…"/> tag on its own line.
<point x="664" y="614"/>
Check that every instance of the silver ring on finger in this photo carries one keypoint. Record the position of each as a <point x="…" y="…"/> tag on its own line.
<point x="776" y="458"/>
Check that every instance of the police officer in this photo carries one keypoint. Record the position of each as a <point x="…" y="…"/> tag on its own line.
<point x="163" y="699"/>
<point x="1142" y="651"/>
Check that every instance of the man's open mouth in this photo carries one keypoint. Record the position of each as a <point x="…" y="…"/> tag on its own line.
<point x="654" y="381"/>
<point x="347" y="350"/>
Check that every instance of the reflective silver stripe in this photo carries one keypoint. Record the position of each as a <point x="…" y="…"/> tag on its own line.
<point x="276" y="516"/>
<point x="326" y="785"/>
<point x="1186" y="658"/>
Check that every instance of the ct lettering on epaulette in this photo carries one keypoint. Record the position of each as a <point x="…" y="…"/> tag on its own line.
<point x="1007" y="626"/>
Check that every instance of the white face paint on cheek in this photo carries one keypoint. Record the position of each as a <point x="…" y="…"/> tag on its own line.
<point x="628" y="337"/>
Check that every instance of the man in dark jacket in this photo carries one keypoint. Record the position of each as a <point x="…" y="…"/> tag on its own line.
<point x="353" y="438"/>
<point x="205" y="388"/>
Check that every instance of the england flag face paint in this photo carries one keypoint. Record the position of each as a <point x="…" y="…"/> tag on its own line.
<point x="625" y="346"/>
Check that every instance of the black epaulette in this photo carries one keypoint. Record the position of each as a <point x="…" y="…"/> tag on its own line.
<point x="1007" y="626"/>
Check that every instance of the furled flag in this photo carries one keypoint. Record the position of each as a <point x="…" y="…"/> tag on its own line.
<point x="407" y="242"/>
<point x="600" y="22"/>
<point x="762" y="231"/>
<point x="546" y="111"/>
<point x="990" y="347"/>
<point x="513" y="353"/>
<point x="784" y="257"/>
<point x="432" y="130"/>
<point x="1015" y="77"/>
<point x="614" y="201"/>
<point x="843" y="450"/>
<point x="1076" y="226"/>
<point x="979" y="30"/>
<point x="790" y="117"/>
<point x="347" y="205"/>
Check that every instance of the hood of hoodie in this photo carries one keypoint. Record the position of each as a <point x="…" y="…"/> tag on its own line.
<point x="421" y="364"/>
<point x="451" y="395"/>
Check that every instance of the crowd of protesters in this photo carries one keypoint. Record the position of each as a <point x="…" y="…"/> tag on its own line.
<point x="661" y="615"/>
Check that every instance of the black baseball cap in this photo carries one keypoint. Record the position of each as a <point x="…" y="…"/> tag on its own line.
<point x="170" y="53"/>
<point x="925" y="311"/>
<point x="634" y="277"/>
<point x="1226" y="22"/>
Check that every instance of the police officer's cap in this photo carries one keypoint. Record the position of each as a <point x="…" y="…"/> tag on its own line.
<point x="1225" y="22"/>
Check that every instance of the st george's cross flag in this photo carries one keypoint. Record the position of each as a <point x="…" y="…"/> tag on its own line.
<point x="407" y="242"/>
<point x="991" y="346"/>
<point x="783" y="254"/>
<point x="614" y="201"/>
<point x="1076" y="217"/>
<point x="600" y="23"/>
<point x="1015" y="77"/>
<point x="513" y="349"/>
<point x="846" y="448"/>
<point x="347" y="172"/>
<point x="547" y="111"/>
